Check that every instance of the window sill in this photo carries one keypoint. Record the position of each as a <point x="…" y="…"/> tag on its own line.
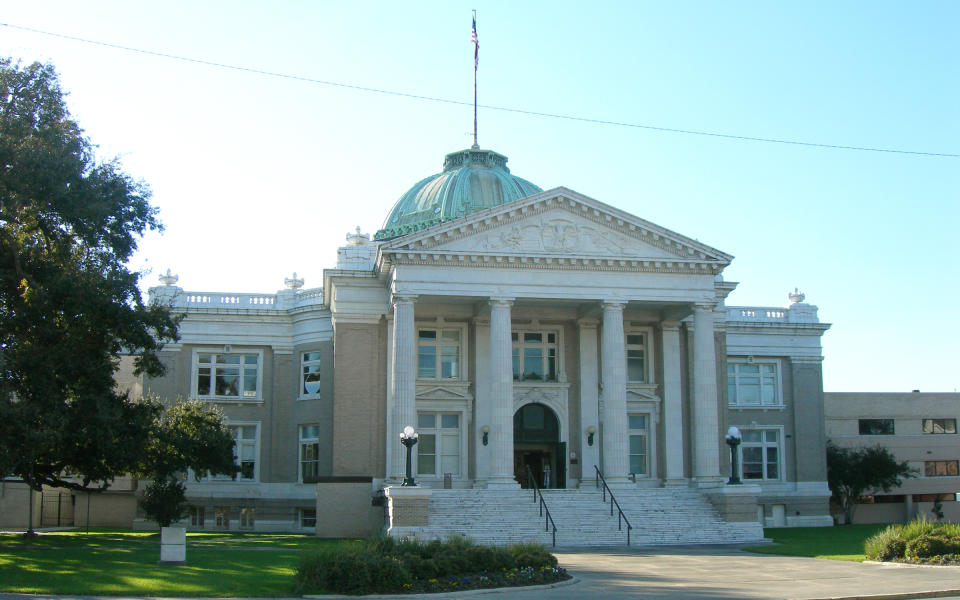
<point x="309" y="397"/>
<point x="763" y="408"/>
<point x="237" y="401"/>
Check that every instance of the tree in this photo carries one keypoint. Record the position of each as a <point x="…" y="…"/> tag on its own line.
<point x="69" y="306"/>
<point x="854" y="472"/>
<point x="188" y="435"/>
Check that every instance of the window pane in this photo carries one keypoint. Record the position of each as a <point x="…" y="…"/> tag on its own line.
<point x="229" y="359"/>
<point x="250" y="383"/>
<point x="203" y="382"/>
<point x="310" y="431"/>
<point x="248" y="432"/>
<point x="769" y="395"/>
<point x="228" y="381"/>
<point x="426" y="464"/>
<point x="309" y="356"/>
<point x="551" y="364"/>
<point x="449" y="358"/>
<point x="427" y="362"/>
<point x="551" y="338"/>
<point x="533" y="363"/>
<point x="771" y="436"/>
<point x="748" y="368"/>
<point x="311" y="379"/>
<point x="449" y="444"/>
<point x="428" y="335"/>
<point x="246" y="469"/>
<point x="204" y="358"/>
<point x="749" y="391"/>
<point x="451" y="335"/>
<point x="533" y="337"/>
<point x="635" y="340"/>
<point x="638" y="444"/>
<point x="753" y="463"/>
<point x="638" y="464"/>
<point x="250" y="359"/>
<point x="427" y="443"/>
<point x="450" y="421"/>
<point x="950" y="426"/>
<point x="516" y="363"/>
<point x="634" y="367"/>
<point x="732" y="393"/>
<point x="426" y="421"/>
<point x="637" y="421"/>
<point x="751" y="436"/>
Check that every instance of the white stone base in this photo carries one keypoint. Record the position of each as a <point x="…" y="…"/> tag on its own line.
<point x="173" y="545"/>
<point x="502" y="483"/>
<point x="810" y="521"/>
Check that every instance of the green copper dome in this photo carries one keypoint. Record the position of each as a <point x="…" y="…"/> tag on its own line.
<point x="472" y="180"/>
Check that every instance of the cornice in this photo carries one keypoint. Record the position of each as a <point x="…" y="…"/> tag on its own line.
<point x="686" y="250"/>
<point x="462" y="259"/>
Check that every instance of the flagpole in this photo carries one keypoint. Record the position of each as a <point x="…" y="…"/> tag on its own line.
<point x="476" y="52"/>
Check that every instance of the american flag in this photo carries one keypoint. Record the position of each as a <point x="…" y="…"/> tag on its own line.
<point x="476" y="42"/>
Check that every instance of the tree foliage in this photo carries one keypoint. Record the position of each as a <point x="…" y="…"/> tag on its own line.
<point x="69" y="306"/>
<point x="855" y="472"/>
<point x="189" y="435"/>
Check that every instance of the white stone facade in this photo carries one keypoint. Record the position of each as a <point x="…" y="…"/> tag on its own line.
<point x="554" y="332"/>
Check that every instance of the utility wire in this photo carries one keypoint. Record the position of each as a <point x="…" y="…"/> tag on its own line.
<point x="486" y="106"/>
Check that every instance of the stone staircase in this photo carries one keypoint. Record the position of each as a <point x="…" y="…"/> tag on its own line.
<point x="660" y="516"/>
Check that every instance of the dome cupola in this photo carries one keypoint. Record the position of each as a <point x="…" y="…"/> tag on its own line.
<point x="471" y="181"/>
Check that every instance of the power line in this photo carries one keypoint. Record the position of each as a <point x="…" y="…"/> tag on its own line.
<point x="486" y="106"/>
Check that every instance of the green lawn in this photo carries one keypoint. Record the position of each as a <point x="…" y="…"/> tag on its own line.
<point x="844" y="542"/>
<point x="108" y="562"/>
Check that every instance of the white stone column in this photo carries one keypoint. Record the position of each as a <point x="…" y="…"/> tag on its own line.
<point x="501" y="396"/>
<point x="404" y="381"/>
<point x="482" y="456"/>
<point x="616" y="444"/>
<point x="706" y="464"/>
<point x="589" y="399"/>
<point x="672" y="404"/>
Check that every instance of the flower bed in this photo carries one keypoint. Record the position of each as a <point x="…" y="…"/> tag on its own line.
<point x="387" y="565"/>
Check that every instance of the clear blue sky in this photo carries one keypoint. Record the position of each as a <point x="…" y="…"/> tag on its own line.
<point x="258" y="176"/>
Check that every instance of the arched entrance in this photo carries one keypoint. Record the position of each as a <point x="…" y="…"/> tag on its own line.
<point x="536" y="444"/>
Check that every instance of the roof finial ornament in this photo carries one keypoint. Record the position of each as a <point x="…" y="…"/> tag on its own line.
<point x="358" y="239"/>
<point x="292" y="282"/>
<point x="476" y="61"/>
<point x="796" y="296"/>
<point x="169" y="278"/>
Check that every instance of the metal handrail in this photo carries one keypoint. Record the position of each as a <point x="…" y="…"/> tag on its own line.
<point x="548" y="521"/>
<point x="621" y="517"/>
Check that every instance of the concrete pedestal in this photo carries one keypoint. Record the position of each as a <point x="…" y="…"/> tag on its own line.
<point x="736" y="503"/>
<point x="173" y="545"/>
<point x="409" y="509"/>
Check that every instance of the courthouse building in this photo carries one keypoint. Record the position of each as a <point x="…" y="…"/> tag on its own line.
<point x="520" y="332"/>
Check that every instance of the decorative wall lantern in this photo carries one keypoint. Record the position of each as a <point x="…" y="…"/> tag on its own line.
<point x="590" y="431"/>
<point x="733" y="439"/>
<point x="409" y="439"/>
<point x="486" y="433"/>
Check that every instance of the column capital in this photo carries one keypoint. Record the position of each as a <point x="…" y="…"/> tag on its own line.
<point x="704" y="305"/>
<point x="501" y="301"/>
<point x="670" y="325"/>
<point x="613" y="305"/>
<point x="403" y="298"/>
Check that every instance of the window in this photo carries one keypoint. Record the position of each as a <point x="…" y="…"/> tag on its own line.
<point x="939" y="425"/>
<point x="309" y="373"/>
<point x="438" y="354"/>
<point x="246" y="517"/>
<point x="222" y="517"/>
<point x="753" y="384"/>
<point x="760" y="454"/>
<point x="636" y="359"/>
<point x="227" y="376"/>
<point x="534" y="356"/>
<point x="638" y="444"/>
<point x="308" y="518"/>
<point x="245" y="451"/>
<point x="876" y="426"/>
<point x="950" y="497"/>
<point x="940" y="468"/>
<point x="309" y="453"/>
<point x="438" y="448"/>
<point x="196" y="516"/>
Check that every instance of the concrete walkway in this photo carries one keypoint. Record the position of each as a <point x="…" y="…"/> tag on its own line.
<point x="712" y="573"/>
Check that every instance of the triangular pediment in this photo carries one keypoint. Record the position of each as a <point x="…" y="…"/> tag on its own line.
<point x="441" y="393"/>
<point x="558" y="226"/>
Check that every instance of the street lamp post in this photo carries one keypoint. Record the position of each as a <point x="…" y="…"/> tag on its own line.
<point x="733" y="439"/>
<point x="409" y="439"/>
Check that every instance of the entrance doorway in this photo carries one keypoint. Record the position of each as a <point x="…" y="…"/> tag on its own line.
<point x="537" y="445"/>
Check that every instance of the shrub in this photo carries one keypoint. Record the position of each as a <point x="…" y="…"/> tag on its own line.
<point x="927" y="546"/>
<point x="350" y="571"/>
<point x="531" y="555"/>
<point x="918" y="539"/>
<point x="885" y="545"/>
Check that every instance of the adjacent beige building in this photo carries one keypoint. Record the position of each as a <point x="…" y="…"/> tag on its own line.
<point x="918" y="427"/>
